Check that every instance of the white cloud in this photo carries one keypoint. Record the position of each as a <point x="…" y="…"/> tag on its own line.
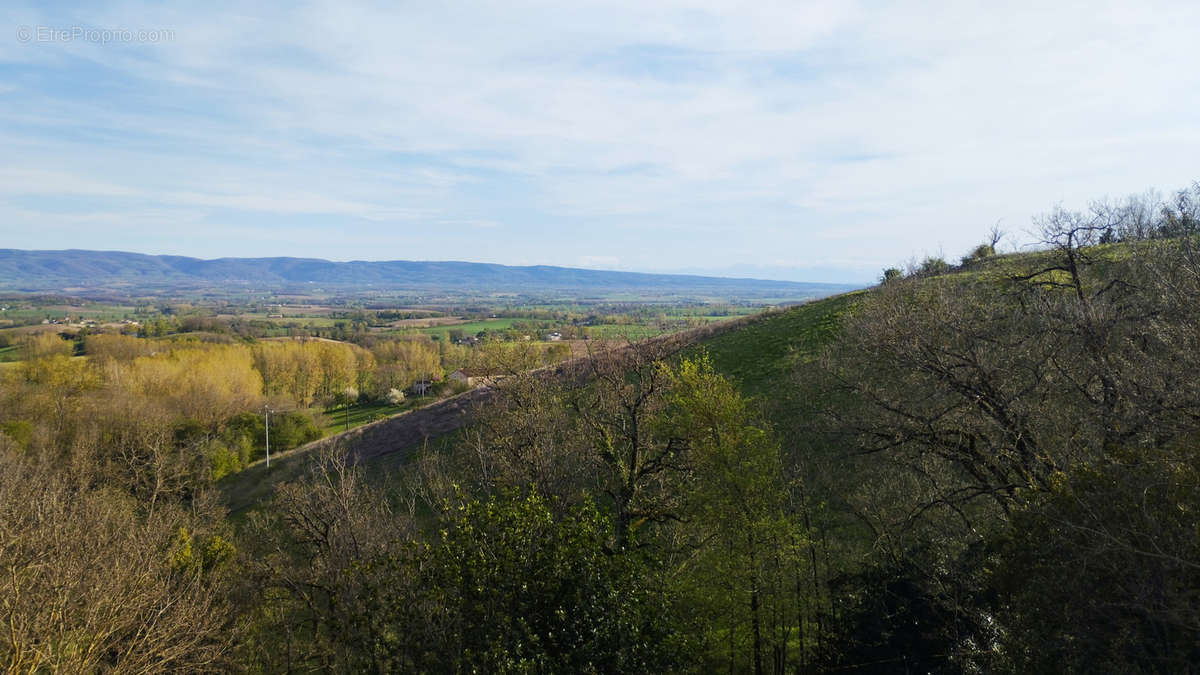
<point x="701" y="131"/>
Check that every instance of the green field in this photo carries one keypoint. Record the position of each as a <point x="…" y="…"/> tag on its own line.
<point x="9" y="354"/>
<point x="631" y="331"/>
<point x="95" y="312"/>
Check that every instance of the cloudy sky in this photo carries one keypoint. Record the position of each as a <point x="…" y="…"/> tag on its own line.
<point x="791" y="140"/>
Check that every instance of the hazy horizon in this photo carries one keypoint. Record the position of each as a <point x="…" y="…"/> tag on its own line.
<point x="822" y="141"/>
<point x="734" y="272"/>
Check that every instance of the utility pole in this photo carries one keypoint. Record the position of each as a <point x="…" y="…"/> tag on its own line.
<point x="267" y="417"/>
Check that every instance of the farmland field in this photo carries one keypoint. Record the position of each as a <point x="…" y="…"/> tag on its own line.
<point x="632" y="332"/>
<point x="470" y="327"/>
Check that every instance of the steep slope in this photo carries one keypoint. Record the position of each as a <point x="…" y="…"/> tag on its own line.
<point x="758" y="352"/>
<point x="761" y="354"/>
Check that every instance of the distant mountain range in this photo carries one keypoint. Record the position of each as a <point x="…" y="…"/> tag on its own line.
<point x="22" y="270"/>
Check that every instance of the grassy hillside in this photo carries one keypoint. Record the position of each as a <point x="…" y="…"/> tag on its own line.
<point x="761" y="354"/>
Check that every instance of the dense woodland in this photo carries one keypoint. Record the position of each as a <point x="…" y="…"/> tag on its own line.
<point x="985" y="467"/>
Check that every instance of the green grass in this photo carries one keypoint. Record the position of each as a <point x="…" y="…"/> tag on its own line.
<point x="364" y="413"/>
<point x="9" y="353"/>
<point x="761" y="354"/>
<point x="765" y="352"/>
<point x="98" y="313"/>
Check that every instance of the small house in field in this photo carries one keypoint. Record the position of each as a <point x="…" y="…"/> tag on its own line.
<point x="474" y="377"/>
<point x="421" y="387"/>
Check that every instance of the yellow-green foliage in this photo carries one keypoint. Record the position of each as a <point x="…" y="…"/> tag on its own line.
<point x="556" y="352"/>
<point x="116" y="346"/>
<point x="57" y="372"/>
<point x="55" y="401"/>
<point x="508" y="357"/>
<point x="208" y="383"/>
<point x="454" y="356"/>
<point x="223" y="460"/>
<point x="45" y="344"/>
<point x="307" y="371"/>
<point x="214" y="550"/>
<point x="402" y="362"/>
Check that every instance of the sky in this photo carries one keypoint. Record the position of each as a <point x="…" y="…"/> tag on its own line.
<point x="787" y="140"/>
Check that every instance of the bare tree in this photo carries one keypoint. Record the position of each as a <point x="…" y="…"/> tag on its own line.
<point x="984" y="389"/>
<point x="587" y="425"/>
<point x="617" y="412"/>
<point x="995" y="235"/>
<point x="89" y="585"/>
<point x="526" y="437"/>
<point x="311" y="570"/>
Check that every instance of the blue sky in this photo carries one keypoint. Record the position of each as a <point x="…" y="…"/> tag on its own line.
<point x="804" y="141"/>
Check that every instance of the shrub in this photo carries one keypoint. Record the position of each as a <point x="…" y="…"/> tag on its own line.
<point x="980" y="252"/>
<point x="933" y="266"/>
<point x="292" y="429"/>
<point x="222" y="460"/>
